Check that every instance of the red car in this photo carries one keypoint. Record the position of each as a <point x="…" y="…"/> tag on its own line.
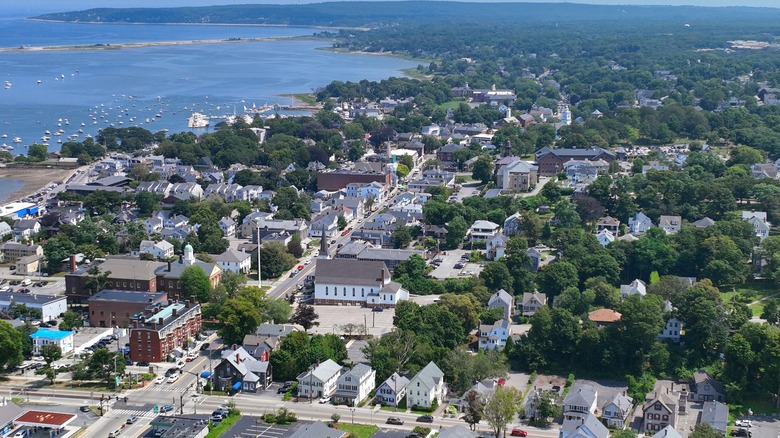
<point x="518" y="432"/>
<point x="300" y="267"/>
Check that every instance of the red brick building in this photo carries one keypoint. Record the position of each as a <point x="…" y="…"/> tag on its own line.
<point x="125" y="274"/>
<point x="116" y="308"/>
<point x="163" y="329"/>
<point x="338" y="179"/>
<point x="551" y="161"/>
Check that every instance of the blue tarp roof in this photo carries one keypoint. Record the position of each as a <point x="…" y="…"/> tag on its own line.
<point x="237" y="386"/>
<point x="205" y="374"/>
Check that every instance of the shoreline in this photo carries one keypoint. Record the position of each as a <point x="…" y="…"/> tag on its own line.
<point x="120" y="46"/>
<point x="134" y="23"/>
<point x="32" y="179"/>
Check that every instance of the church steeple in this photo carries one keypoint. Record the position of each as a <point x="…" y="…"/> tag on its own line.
<point x="324" y="254"/>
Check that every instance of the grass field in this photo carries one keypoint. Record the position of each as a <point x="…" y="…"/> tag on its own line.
<point x="413" y="73"/>
<point x="749" y="292"/>
<point x="451" y="104"/>
<point x="360" y="430"/>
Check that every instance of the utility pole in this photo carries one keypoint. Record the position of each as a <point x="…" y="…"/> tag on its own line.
<point x="259" y="274"/>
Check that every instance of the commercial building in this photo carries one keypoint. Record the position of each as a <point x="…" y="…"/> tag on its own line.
<point x="62" y="339"/>
<point x="356" y="282"/>
<point x="164" y="330"/>
<point x="116" y="308"/>
<point x="10" y="252"/>
<point x="124" y="274"/>
<point x="51" y="306"/>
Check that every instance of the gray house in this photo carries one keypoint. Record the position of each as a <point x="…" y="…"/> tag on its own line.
<point x="716" y="414"/>
<point x="503" y="300"/>
<point x="706" y="388"/>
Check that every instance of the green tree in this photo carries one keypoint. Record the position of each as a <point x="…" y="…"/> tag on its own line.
<point x="342" y="223"/>
<point x="402" y="171"/>
<point x="146" y="202"/>
<point x="402" y="236"/>
<point x="239" y="317"/>
<point x="51" y="353"/>
<point x="102" y="363"/>
<point x="278" y="310"/>
<point x="466" y="307"/>
<point x="96" y="279"/>
<point x="56" y="249"/>
<point x="195" y="283"/>
<point x="555" y="278"/>
<point x="474" y="406"/>
<point x="10" y="346"/>
<point x="456" y="231"/>
<point x="500" y="408"/>
<point x="482" y="170"/>
<point x="497" y="276"/>
<point x="232" y="281"/>
<point x="275" y="260"/>
<point x="71" y="320"/>
<point x="38" y="152"/>
<point x="305" y="316"/>
<point x="395" y="352"/>
<point x="704" y="430"/>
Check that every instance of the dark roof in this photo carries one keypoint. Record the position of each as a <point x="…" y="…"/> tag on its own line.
<point x="585" y="152"/>
<point x="126" y="296"/>
<point x="179" y="426"/>
<point x="30" y="298"/>
<point x="351" y="271"/>
<point x="702" y="377"/>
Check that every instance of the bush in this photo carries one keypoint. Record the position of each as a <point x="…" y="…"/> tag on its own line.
<point x="422" y="430"/>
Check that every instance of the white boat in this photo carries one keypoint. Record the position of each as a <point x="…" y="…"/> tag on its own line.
<point x="7" y="84"/>
<point x="47" y="132"/>
<point x="38" y="81"/>
<point x="198" y="120"/>
<point x="4" y="136"/>
<point x="17" y="139"/>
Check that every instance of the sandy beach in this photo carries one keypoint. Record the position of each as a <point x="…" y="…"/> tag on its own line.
<point x="119" y="46"/>
<point x="32" y="179"/>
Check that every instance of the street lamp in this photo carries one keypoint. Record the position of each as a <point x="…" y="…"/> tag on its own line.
<point x="259" y="273"/>
<point x="352" y="410"/>
<point x="395" y="392"/>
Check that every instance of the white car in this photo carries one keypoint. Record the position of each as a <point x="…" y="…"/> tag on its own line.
<point x="744" y="423"/>
<point x="173" y="378"/>
<point x="325" y="399"/>
<point x="159" y="380"/>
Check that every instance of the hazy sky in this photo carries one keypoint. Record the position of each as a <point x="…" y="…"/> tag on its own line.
<point x="69" y="5"/>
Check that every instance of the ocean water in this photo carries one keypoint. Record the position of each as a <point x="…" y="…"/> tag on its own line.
<point x="156" y="87"/>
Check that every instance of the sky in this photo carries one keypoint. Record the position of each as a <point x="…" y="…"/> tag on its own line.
<point x="39" y="6"/>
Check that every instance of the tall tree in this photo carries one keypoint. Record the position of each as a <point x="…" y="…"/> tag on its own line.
<point x="195" y="282"/>
<point x="474" y="406"/>
<point x="10" y="345"/>
<point x="501" y="406"/>
<point x="305" y="316"/>
<point x="482" y="170"/>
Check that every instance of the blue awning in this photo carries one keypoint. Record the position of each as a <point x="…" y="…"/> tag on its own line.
<point x="237" y="386"/>
<point x="205" y="374"/>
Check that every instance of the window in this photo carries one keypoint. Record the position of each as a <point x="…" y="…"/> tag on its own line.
<point x="657" y="407"/>
<point x="666" y="418"/>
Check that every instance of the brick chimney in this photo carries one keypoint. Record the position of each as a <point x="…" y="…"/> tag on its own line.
<point x="160" y="321"/>
<point x="175" y="312"/>
<point x="73" y="265"/>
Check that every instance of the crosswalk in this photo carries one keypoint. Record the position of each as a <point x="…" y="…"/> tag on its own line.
<point x="166" y="389"/>
<point x="134" y="412"/>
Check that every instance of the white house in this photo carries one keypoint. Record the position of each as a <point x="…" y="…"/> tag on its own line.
<point x="228" y="226"/>
<point x="759" y="222"/>
<point x="483" y="230"/>
<point x="356" y="282"/>
<point x="605" y="237"/>
<point x="494" y="336"/>
<point x="374" y="190"/>
<point x="320" y="380"/>
<point x="25" y="228"/>
<point x="60" y="338"/>
<point x="355" y="385"/>
<point x="5" y="230"/>
<point x="392" y="390"/>
<point x="617" y="411"/>
<point x="496" y="247"/>
<point x="532" y="302"/>
<point x="503" y="300"/>
<point x="153" y="225"/>
<point x="637" y="287"/>
<point x="587" y="427"/>
<point x="673" y="328"/>
<point x="670" y="224"/>
<point x="579" y="402"/>
<point x="160" y="250"/>
<point x="639" y="224"/>
<point x="234" y="260"/>
<point x="425" y="387"/>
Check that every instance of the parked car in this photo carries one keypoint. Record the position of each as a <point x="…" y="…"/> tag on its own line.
<point x="128" y="362"/>
<point x="378" y="309"/>
<point x="84" y="408"/>
<point x="458" y="265"/>
<point x="205" y="346"/>
<point x="325" y="399"/>
<point x="744" y="423"/>
<point x="739" y="432"/>
<point x="425" y="419"/>
<point x="395" y="420"/>
<point x="21" y="433"/>
<point x="284" y="388"/>
<point x="142" y="363"/>
<point x="166" y="408"/>
<point x="518" y="432"/>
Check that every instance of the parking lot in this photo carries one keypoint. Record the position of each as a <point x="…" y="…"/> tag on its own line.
<point x="252" y="427"/>
<point x="452" y="265"/>
<point x="52" y="287"/>
<point x="333" y="319"/>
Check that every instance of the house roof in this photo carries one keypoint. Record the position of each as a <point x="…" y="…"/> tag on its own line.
<point x="127" y="268"/>
<point x="270" y="329"/>
<point x="458" y="431"/>
<point x="667" y="432"/>
<point x="608" y="220"/>
<point x="590" y="427"/>
<point x="124" y="296"/>
<point x="704" y="223"/>
<point x="323" y="371"/>
<point x="245" y="364"/>
<point x="502" y="323"/>
<point x="702" y="377"/>
<point x="483" y="224"/>
<point x="431" y="375"/>
<point x="580" y="394"/>
<point x="45" y="333"/>
<point x="398" y="384"/>
<point x="585" y="152"/>
<point x="621" y="401"/>
<point x="357" y="372"/>
<point x="716" y="414"/>
<point x="604" y="315"/>
<point x="349" y="271"/>
<point x="231" y="256"/>
<point x="9" y="412"/>
<point x="538" y="296"/>
<point x="32" y="298"/>
<point x="668" y="403"/>
<point x="500" y="296"/>
<point x="44" y="419"/>
<point x="317" y="429"/>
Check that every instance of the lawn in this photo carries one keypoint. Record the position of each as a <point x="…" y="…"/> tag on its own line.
<point x="360" y="430"/>
<point x="452" y="104"/>
<point x="751" y="291"/>
<point x="413" y="73"/>
<point x="224" y="426"/>
<point x="759" y="403"/>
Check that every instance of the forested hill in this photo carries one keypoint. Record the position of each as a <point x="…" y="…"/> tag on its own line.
<point x="380" y="14"/>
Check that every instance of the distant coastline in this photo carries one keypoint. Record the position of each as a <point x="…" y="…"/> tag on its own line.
<point x="119" y="46"/>
<point x="133" y="23"/>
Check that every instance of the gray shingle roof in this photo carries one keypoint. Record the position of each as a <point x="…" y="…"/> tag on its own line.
<point x="323" y="371"/>
<point x="348" y="271"/>
<point x="580" y="395"/>
<point x="431" y="375"/>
